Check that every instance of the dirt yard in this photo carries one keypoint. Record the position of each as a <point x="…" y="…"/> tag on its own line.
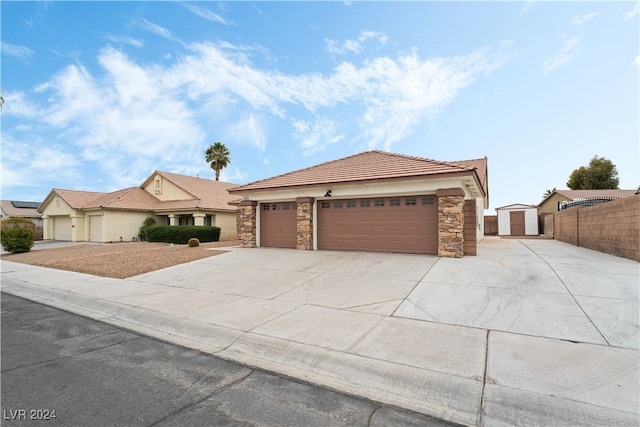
<point x="117" y="260"/>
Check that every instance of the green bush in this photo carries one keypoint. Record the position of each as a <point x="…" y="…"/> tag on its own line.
<point x="142" y="231"/>
<point x="16" y="240"/>
<point x="180" y="234"/>
<point x="193" y="243"/>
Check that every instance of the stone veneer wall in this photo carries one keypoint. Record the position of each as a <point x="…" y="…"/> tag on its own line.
<point x="247" y="223"/>
<point x="450" y="222"/>
<point x="304" y="223"/>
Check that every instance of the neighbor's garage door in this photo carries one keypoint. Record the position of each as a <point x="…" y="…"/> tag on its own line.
<point x="392" y="224"/>
<point x="278" y="225"/>
<point x="62" y="228"/>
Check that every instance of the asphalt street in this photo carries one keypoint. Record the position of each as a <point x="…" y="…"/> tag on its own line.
<point x="59" y="368"/>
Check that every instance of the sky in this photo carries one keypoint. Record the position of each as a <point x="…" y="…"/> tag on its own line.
<point x="99" y="95"/>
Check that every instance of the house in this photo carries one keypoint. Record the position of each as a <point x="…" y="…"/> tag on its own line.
<point x="372" y="201"/>
<point x="169" y="198"/>
<point x="553" y="201"/>
<point x="517" y="220"/>
<point x="29" y="210"/>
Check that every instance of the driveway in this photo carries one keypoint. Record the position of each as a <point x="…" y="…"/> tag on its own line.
<point x="532" y="331"/>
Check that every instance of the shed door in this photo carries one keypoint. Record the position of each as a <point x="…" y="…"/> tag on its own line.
<point x="517" y="223"/>
<point x="62" y="228"/>
<point x="278" y="225"/>
<point x="95" y="228"/>
<point x="391" y="224"/>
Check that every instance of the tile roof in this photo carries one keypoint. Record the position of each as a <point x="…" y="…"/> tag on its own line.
<point x="370" y="165"/>
<point x="22" y="209"/>
<point x="206" y="194"/>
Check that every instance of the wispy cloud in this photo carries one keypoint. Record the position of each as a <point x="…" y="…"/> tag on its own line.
<point x="205" y="14"/>
<point x="127" y="118"/>
<point x="125" y="40"/>
<point x="155" y="29"/>
<point x="633" y="12"/>
<point x="581" y="19"/>
<point x="335" y="47"/>
<point x="21" y="52"/>
<point x="567" y="54"/>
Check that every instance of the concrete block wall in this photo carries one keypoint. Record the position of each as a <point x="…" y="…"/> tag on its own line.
<point x="612" y="227"/>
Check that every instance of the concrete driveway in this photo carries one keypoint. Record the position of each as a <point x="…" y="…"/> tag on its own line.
<point x="532" y="332"/>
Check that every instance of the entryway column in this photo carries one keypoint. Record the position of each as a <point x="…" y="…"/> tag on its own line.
<point x="172" y="219"/>
<point x="198" y="219"/>
<point x="304" y="223"/>
<point x="450" y="222"/>
<point x="246" y="218"/>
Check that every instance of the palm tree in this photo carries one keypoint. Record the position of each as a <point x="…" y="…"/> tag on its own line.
<point x="548" y="193"/>
<point x="218" y="156"/>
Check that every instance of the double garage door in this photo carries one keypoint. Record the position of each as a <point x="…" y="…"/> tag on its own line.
<point x="391" y="224"/>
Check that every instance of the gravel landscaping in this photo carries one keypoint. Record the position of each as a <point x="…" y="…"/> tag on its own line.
<point x="117" y="260"/>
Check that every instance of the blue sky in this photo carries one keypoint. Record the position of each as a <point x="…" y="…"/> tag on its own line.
<point x="98" y="95"/>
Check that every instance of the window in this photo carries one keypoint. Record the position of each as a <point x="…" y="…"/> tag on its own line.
<point x="379" y="202"/>
<point x="394" y="202"/>
<point x="325" y="205"/>
<point x="365" y="203"/>
<point x="286" y="206"/>
<point x="410" y="201"/>
<point x="337" y="204"/>
<point x="351" y="203"/>
<point x="427" y="200"/>
<point x="275" y="207"/>
<point x="266" y="207"/>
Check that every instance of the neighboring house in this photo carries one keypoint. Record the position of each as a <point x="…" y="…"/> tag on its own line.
<point x="517" y="220"/>
<point x="553" y="201"/>
<point x="29" y="210"/>
<point x="372" y="201"/>
<point x="169" y="198"/>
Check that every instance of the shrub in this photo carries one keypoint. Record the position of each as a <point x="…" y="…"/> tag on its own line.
<point x="16" y="240"/>
<point x="17" y="234"/>
<point x="180" y="234"/>
<point x="193" y="242"/>
<point x="142" y="232"/>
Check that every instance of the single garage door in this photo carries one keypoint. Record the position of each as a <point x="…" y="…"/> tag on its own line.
<point x="278" y="225"/>
<point x="62" y="228"/>
<point x="391" y="224"/>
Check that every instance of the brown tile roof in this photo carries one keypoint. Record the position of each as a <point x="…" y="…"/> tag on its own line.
<point x="370" y="165"/>
<point x="594" y="194"/>
<point x="208" y="193"/>
<point x="26" y="212"/>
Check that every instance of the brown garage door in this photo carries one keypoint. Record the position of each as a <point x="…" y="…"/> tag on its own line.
<point x="392" y="224"/>
<point x="278" y="225"/>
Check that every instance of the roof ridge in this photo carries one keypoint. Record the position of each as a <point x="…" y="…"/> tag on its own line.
<point x="121" y="193"/>
<point x="164" y="174"/>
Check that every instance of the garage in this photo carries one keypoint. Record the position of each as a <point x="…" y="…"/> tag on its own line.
<point x="407" y="224"/>
<point x="278" y="225"/>
<point x="62" y="228"/>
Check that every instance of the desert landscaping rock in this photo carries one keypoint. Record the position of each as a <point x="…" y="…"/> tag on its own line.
<point x="118" y="260"/>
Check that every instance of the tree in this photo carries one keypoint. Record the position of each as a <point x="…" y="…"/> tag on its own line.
<point x="600" y="174"/>
<point x="218" y="156"/>
<point x="547" y="193"/>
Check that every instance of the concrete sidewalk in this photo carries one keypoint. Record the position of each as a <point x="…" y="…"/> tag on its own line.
<point x="532" y="332"/>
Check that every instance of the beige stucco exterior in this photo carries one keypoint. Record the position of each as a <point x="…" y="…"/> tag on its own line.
<point x="550" y="204"/>
<point x="115" y="217"/>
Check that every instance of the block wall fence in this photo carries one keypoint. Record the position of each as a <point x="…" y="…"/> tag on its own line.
<point x="612" y="227"/>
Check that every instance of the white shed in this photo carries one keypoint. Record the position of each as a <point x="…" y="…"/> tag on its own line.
<point x="517" y="220"/>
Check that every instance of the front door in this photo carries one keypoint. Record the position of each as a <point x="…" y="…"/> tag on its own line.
<point x="517" y="223"/>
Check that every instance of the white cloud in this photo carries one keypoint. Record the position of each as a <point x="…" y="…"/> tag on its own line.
<point x="21" y="52"/>
<point x="125" y="40"/>
<point x="633" y="12"/>
<point x="354" y="46"/>
<point x="155" y="29"/>
<point x="581" y="19"/>
<point x="637" y="60"/>
<point x="205" y="14"/>
<point x="567" y="54"/>
<point x="316" y="136"/>
<point x="249" y="129"/>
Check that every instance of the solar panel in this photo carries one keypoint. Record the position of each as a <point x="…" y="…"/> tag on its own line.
<point x="25" y="205"/>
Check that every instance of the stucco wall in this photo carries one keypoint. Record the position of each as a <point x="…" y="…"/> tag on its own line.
<point x="168" y="190"/>
<point x="551" y="204"/>
<point x="227" y="223"/>
<point x="116" y="224"/>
